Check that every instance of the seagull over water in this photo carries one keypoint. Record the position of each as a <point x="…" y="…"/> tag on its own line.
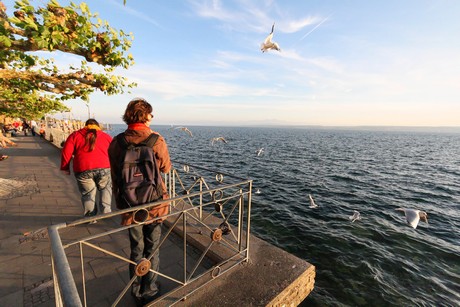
<point x="355" y="216"/>
<point x="260" y="151"/>
<point x="185" y="129"/>
<point x="312" y="202"/>
<point x="258" y="191"/>
<point x="268" y="43"/>
<point x="413" y="216"/>
<point x="217" y="139"/>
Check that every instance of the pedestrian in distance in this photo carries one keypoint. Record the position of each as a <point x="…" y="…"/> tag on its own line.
<point x="91" y="166"/>
<point x="33" y="127"/>
<point x="25" y="127"/>
<point x="145" y="234"/>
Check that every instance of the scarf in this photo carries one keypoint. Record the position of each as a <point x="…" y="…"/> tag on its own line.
<point x="95" y="127"/>
<point x="137" y="126"/>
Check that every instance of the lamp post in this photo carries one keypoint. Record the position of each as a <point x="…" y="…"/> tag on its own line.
<point x="87" y="105"/>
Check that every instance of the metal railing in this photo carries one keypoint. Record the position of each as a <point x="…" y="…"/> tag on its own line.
<point x="209" y="211"/>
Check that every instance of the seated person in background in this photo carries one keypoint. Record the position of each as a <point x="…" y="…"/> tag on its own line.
<point x="4" y="140"/>
<point x="8" y="128"/>
<point x="42" y="131"/>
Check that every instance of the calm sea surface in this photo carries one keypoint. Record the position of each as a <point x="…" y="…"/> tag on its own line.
<point x="378" y="260"/>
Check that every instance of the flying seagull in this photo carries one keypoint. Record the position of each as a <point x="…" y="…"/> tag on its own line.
<point x="258" y="191"/>
<point x="260" y="151"/>
<point x="268" y="44"/>
<point x="414" y="216"/>
<point x="217" y="139"/>
<point x="185" y="129"/>
<point x="355" y="216"/>
<point x="312" y="202"/>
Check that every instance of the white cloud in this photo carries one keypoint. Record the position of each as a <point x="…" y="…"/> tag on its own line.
<point x="249" y="17"/>
<point x="297" y="25"/>
<point x="171" y="85"/>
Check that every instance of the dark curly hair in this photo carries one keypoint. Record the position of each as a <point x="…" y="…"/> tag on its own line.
<point x="137" y="111"/>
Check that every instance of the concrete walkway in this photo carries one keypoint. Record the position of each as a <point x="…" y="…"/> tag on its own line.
<point x="33" y="195"/>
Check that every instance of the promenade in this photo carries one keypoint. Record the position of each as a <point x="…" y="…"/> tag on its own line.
<point x="34" y="194"/>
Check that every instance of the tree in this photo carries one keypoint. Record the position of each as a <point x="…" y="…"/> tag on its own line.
<point x="32" y="85"/>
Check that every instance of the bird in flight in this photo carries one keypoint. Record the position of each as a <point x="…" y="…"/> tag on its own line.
<point x="414" y="216"/>
<point x="312" y="202"/>
<point x="260" y="151"/>
<point x="268" y="43"/>
<point x="185" y="129"/>
<point x="217" y="139"/>
<point x="355" y="216"/>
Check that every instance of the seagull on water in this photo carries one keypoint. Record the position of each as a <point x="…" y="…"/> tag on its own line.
<point x="268" y="44"/>
<point x="185" y="129"/>
<point x="413" y="216"/>
<point x="258" y="191"/>
<point x="260" y="151"/>
<point x="312" y="202"/>
<point x="217" y="139"/>
<point x="355" y="216"/>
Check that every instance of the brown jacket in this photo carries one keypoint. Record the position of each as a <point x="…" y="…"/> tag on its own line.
<point x="164" y="163"/>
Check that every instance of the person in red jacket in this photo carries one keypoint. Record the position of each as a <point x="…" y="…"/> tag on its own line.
<point x="91" y="166"/>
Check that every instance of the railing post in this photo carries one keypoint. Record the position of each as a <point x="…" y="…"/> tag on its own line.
<point x="66" y="284"/>
<point x="201" y="199"/>
<point x="184" y="229"/>
<point x="240" y="220"/>
<point x="249" y="220"/>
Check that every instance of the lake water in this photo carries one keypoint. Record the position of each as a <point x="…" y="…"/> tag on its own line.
<point x="378" y="260"/>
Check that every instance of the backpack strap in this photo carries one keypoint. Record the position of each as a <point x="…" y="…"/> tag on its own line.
<point x="149" y="141"/>
<point x="122" y="141"/>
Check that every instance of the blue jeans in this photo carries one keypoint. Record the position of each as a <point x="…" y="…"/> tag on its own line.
<point x="91" y="181"/>
<point x="144" y="239"/>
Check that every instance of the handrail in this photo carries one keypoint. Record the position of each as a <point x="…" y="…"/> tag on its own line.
<point x="226" y="202"/>
<point x="65" y="281"/>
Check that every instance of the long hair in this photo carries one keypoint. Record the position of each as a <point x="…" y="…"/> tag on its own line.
<point x="90" y="140"/>
<point x="137" y="111"/>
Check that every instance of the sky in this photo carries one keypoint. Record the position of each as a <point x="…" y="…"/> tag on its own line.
<point x="342" y="63"/>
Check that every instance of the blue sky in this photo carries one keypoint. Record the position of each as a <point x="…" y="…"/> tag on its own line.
<point x="342" y="63"/>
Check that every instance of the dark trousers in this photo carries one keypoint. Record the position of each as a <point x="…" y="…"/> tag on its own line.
<point x="144" y="239"/>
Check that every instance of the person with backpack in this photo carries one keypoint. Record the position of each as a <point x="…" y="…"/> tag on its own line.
<point x="138" y="156"/>
<point x="91" y="166"/>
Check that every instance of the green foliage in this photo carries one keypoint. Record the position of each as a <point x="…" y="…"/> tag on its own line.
<point x="30" y="85"/>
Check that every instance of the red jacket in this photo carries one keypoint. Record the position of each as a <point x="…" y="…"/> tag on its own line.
<point x="84" y="160"/>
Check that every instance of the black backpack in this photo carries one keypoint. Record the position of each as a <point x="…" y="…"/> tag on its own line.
<point x="139" y="180"/>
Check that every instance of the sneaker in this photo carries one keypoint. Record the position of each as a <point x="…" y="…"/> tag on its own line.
<point x="150" y="298"/>
<point x="138" y="300"/>
<point x="146" y="299"/>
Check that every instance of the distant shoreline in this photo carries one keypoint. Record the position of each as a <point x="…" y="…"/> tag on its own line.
<point x="439" y="129"/>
